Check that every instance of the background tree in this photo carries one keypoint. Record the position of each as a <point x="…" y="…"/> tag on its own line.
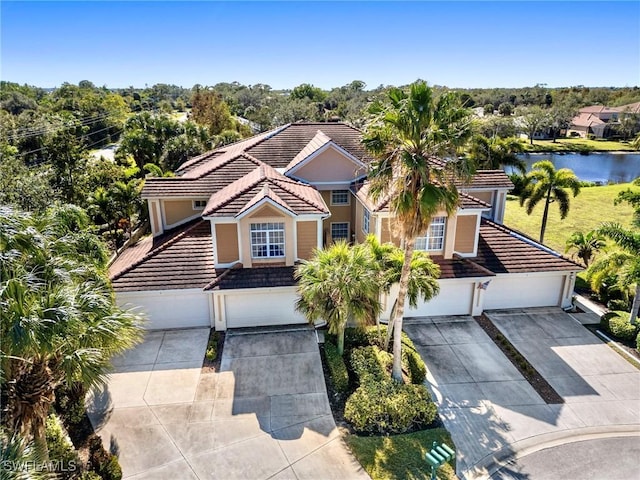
<point x="59" y="322"/>
<point x="534" y="119"/>
<point x="585" y="245"/>
<point x="505" y="109"/>
<point x="209" y="110"/>
<point x="488" y="109"/>
<point x="496" y="153"/>
<point x="338" y="285"/>
<point x="632" y="198"/>
<point x="405" y="135"/>
<point x="548" y="184"/>
<point x="624" y="262"/>
<point x="560" y="117"/>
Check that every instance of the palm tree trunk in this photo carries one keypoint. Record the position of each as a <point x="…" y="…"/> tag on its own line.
<point x="387" y="340"/>
<point x="545" y="214"/>
<point x="396" y="372"/>
<point x="341" y="340"/>
<point x="635" y="306"/>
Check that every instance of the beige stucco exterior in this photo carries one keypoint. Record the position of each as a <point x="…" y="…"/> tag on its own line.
<point x="177" y="211"/>
<point x="307" y="238"/>
<point x="267" y="214"/>
<point x="330" y="165"/>
<point x="466" y="233"/>
<point x="357" y="223"/>
<point x="227" y="243"/>
<point x="339" y="214"/>
<point x="486" y="196"/>
<point x="156" y="220"/>
<point x="388" y="231"/>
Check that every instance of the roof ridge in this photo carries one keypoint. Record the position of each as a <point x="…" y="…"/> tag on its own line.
<point x="252" y="183"/>
<point x="154" y="251"/>
<point x="299" y="197"/>
<point x="475" y="265"/>
<point x="216" y="280"/>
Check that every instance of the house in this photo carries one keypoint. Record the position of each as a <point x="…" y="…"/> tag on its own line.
<point x="600" y="121"/>
<point x="230" y="227"/>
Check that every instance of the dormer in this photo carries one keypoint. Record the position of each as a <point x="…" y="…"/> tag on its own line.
<point x="325" y="165"/>
<point x="490" y="186"/>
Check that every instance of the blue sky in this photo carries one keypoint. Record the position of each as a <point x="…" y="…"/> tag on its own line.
<point x="328" y="44"/>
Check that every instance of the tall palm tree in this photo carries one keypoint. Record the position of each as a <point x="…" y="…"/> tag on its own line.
<point x="548" y="184"/>
<point x="407" y="135"/>
<point x="585" y="245"/>
<point x="624" y="262"/>
<point x="127" y="198"/>
<point x="338" y="285"/>
<point x="496" y="153"/>
<point x="59" y="319"/>
<point x="423" y="275"/>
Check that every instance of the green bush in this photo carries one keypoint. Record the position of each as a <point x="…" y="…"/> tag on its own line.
<point x="102" y="462"/>
<point x="90" y="476"/>
<point x="212" y="347"/>
<point x="617" y="324"/>
<point x="63" y="456"/>
<point x="638" y="342"/>
<point x="415" y="366"/>
<point x="337" y="367"/>
<point x="389" y="407"/>
<point x="69" y="403"/>
<point x="381" y="405"/>
<point x="110" y="470"/>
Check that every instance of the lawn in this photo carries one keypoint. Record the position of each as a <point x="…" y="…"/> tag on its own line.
<point x="577" y="144"/>
<point x="591" y="207"/>
<point x="400" y="456"/>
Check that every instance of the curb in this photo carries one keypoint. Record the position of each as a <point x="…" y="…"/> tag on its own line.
<point x="495" y="461"/>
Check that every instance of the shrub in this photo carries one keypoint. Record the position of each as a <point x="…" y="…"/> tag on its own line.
<point x="638" y="342"/>
<point x="337" y="367"/>
<point x="110" y="470"/>
<point x="389" y="407"/>
<point x="618" y="304"/>
<point x="617" y="324"/>
<point x="102" y="462"/>
<point x="371" y="364"/>
<point x="63" y="456"/>
<point x="212" y="347"/>
<point x="69" y="403"/>
<point x="415" y="366"/>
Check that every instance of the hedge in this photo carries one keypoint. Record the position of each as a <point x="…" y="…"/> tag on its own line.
<point x="617" y="324"/>
<point x="337" y="367"/>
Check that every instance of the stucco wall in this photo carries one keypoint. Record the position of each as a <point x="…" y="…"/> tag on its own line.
<point x="328" y="166"/>
<point x="176" y="211"/>
<point x="339" y="214"/>
<point x="260" y="216"/>
<point x="227" y="242"/>
<point x="388" y="232"/>
<point x="307" y="233"/>
<point x="466" y="233"/>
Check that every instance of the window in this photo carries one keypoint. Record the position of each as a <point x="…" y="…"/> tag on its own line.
<point x="366" y="217"/>
<point x="340" y="231"/>
<point x="339" y="197"/>
<point x="199" y="204"/>
<point x="267" y="240"/>
<point x="434" y="239"/>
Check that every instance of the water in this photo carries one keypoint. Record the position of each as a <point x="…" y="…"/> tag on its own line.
<point x="595" y="167"/>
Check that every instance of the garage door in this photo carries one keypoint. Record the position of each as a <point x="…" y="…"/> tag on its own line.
<point x="455" y="298"/>
<point x="524" y="291"/>
<point x="257" y="308"/>
<point x="170" y="308"/>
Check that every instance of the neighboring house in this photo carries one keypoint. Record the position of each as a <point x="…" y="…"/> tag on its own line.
<point x="229" y="229"/>
<point x="600" y="121"/>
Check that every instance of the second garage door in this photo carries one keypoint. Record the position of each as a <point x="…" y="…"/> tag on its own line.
<point x="524" y="291"/>
<point x="455" y="298"/>
<point x="261" y="307"/>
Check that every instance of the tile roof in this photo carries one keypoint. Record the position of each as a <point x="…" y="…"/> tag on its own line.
<point x="257" y="277"/>
<point x="483" y="179"/>
<point x="280" y="149"/>
<point x="182" y="258"/>
<point x="503" y="250"/>
<point x="315" y="144"/>
<point x="458" y="268"/>
<point x="296" y="197"/>
<point x="468" y="201"/>
<point x="586" y="120"/>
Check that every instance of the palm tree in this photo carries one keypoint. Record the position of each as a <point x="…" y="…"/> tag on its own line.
<point x="423" y="276"/>
<point x="127" y="199"/>
<point x="406" y="136"/>
<point x="338" y="285"/>
<point x="21" y="459"/>
<point x="496" y="153"/>
<point x="585" y="245"/>
<point x="624" y="262"/>
<point x="59" y="319"/>
<point x="548" y="184"/>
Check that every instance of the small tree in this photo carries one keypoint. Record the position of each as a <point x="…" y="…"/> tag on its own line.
<point x="548" y="184"/>
<point x="534" y="119"/>
<point x="488" y="109"/>
<point x="585" y="245"/>
<point x="505" y="109"/>
<point x="338" y="285"/>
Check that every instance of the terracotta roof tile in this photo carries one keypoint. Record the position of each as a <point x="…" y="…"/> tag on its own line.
<point x="458" y="268"/>
<point x="317" y="142"/>
<point x="254" y="278"/>
<point x="179" y="259"/>
<point x="503" y="250"/>
<point x="468" y="201"/>
<point x="484" y="179"/>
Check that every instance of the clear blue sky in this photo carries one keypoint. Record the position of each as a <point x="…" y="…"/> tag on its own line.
<point x="328" y="44"/>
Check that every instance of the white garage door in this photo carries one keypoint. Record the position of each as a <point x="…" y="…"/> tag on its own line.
<point x="524" y="291"/>
<point x="261" y="307"/>
<point x="170" y="308"/>
<point x="455" y="298"/>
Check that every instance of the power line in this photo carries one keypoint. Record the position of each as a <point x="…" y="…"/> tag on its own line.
<point x="86" y="147"/>
<point x="52" y="128"/>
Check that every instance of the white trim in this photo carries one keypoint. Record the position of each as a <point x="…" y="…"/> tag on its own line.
<point x="348" y="237"/>
<point x="349" y="195"/>
<point x="261" y="203"/>
<point x="268" y="244"/>
<point x="318" y="151"/>
<point x="214" y="243"/>
<point x="226" y="265"/>
<point x="366" y="213"/>
<point x="240" y="249"/>
<point x="338" y="185"/>
<point x="295" y="240"/>
<point x="319" y="245"/>
<point x="378" y="228"/>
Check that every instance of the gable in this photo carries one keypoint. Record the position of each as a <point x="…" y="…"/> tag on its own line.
<point x="267" y="211"/>
<point x="328" y="166"/>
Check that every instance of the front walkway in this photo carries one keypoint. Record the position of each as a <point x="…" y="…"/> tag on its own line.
<point x="265" y="415"/>
<point x="494" y="414"/>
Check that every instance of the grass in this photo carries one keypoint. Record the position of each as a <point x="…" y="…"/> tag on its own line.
<point x="591" y="207"/>
<point x="401" y="456"/>
<point x="577" y="144"/>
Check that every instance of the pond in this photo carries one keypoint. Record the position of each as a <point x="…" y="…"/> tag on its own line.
<point x="595" y="167"/>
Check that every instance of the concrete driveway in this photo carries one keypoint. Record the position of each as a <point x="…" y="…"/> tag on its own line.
<point x="265" y="415"/>
<point x="494" y="414"/>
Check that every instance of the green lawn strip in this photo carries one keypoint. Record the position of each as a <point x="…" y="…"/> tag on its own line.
<point x="401" y="456"/>
<point x="588" y="210"/>
<point x="577" y="144"/>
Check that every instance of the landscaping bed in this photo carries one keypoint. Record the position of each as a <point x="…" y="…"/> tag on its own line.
<point x="379" y="416"/>
<point x="213" y="354"/>
<point x="531" y="375"/>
